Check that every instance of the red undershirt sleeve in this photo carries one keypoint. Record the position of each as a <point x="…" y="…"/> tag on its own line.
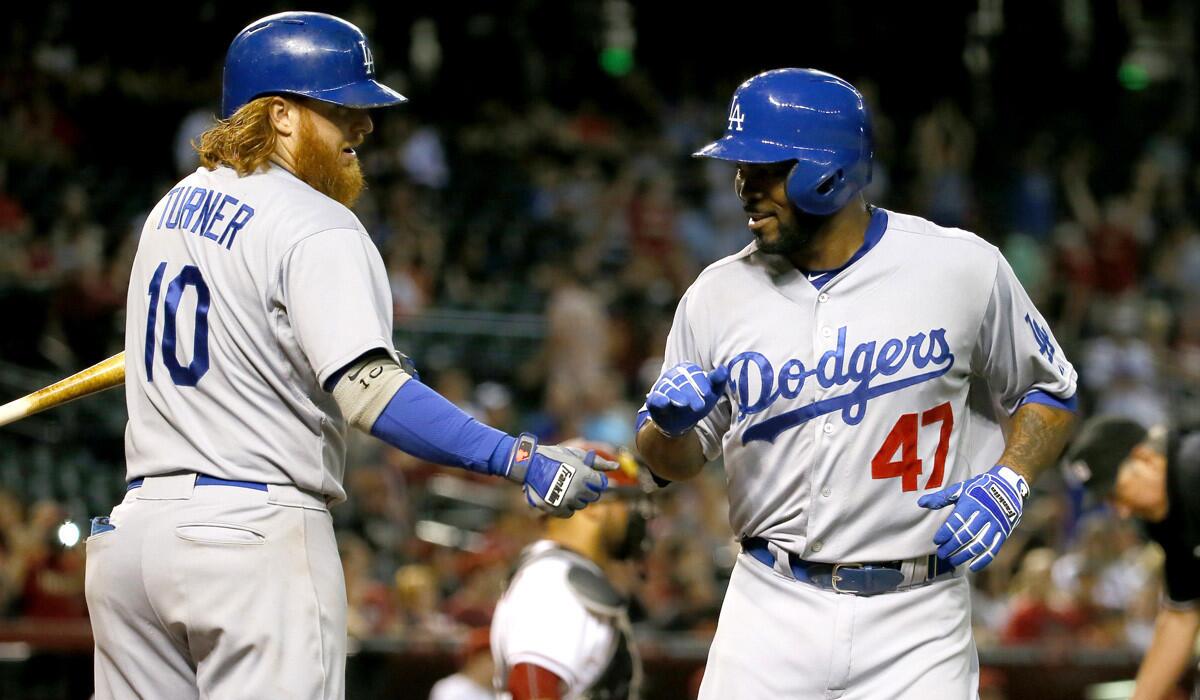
<point x="530" y="682"/>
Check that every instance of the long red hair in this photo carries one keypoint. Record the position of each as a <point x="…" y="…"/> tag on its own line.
<point x="244" y="141"/>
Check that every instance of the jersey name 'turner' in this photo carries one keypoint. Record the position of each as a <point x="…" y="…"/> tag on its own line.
<point x="199" y="210"/>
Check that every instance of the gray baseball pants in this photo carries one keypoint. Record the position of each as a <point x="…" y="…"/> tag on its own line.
<point x="780" y="638"/>
<point x="217" y="592"/>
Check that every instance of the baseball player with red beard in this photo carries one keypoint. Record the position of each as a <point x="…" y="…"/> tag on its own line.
<point x="854" y="367"/>
<point x="259" y="328"/>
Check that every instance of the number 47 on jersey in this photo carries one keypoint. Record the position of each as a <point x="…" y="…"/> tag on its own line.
<point x="897" y="457"/>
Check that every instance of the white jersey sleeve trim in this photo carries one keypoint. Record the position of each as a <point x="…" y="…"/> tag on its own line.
<point x="328" y="369"/>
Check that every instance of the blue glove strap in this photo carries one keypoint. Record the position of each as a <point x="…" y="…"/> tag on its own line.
<point x="421" y="422"/>
<point x="642" y="416"/>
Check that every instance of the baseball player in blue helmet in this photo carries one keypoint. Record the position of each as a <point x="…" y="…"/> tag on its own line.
<point x="303" y="53"/>
<point x="259" y="330"/>
<point x="853" y="367"/>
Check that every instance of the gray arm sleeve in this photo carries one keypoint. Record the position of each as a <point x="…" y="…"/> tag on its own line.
<point x="366" y="387"/>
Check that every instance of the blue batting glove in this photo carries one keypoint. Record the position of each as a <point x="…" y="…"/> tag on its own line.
<point x="987" y="509"/>
<point x="557" y="480"/>
<point x="683" y="395"/>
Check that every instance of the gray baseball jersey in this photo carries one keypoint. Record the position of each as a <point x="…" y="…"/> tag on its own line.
<point x="853" y="394"/>
<point x="246" y="295"/>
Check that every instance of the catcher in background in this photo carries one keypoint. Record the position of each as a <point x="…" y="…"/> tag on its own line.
<point x="561" y="631"/>
<point x="1152" y="475"/>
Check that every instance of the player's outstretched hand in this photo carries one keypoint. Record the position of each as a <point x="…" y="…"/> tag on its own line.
<point x="986" y="509"/>
<point x="557" y="480"/>
<point x="683" y="395"/>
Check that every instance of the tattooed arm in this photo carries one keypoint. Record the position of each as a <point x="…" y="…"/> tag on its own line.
<point x="987" y="507"/>
<point x="1037" y="437"/>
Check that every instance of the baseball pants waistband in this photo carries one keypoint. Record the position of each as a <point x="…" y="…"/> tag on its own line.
<point x="206" y="480"/>
<point x="858" y="578"/>
<point x="179" y="487"/>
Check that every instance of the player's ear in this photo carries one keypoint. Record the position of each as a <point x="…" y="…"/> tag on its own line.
<point x="284" y="115"/>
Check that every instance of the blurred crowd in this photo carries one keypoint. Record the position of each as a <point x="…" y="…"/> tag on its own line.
<point x="595" y="223"/>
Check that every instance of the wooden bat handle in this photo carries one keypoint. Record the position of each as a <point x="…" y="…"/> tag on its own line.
<point x="98" y="377"/>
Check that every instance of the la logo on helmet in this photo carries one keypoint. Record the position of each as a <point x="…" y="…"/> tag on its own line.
<point x="736" y="117"/>
<point x="368" y="58"/>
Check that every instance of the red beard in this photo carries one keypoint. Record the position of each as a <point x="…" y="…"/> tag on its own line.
<point x="321" y="167"/>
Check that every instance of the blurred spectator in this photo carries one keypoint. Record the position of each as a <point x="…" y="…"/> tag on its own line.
<point x="52" y="572"/>
<point x="412" y="241"/>
<point x="1185" y="363"/>
<point x="706" y="243"/>
<point x="89" y="299"/>
<point x="13" y="217"/>
<point x="193" y="124"/>
<point x="1120" y="368"/>
<point x="1039" y="613"/>
<point x="12" y="565"/>
<point x="653" y="232"/>
<point x="944" y="148"/>
<point x="495" y="403"/>
<point x="424" y="159"/>
<point x="473" y="680"/>
<point x="576" y="345"/>
<point x="369" y="610"/>
<point x="376" y="516"/>
<point x="992" y="684"/>
<point x="483" y="579"/>
<point x="1114" y="229"/>
<point x="883" y="133"/>
<point x="1030" y="263"/>
<point x="418" y="616"/>
<point x="1176" y="263"/>
<point x="1034" y="204"/>
<point x="1169" y="151"/>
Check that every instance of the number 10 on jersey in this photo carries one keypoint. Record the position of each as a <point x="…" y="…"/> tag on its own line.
<point x="180" y="375"/>
<point x="902" y="442"/>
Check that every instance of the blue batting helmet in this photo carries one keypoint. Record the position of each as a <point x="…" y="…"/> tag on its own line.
<point x="814" y="118"/>
<point x="303" y="53"/>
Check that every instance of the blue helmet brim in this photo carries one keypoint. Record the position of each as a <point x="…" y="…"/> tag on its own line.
<point x="742" y="150"/>
<point x="362" y="95"/>
<point x="366" y="94"/>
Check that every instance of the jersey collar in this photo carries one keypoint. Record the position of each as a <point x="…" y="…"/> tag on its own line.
<point x="874" y="233"/>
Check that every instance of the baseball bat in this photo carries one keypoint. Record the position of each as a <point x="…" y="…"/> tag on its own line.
<point x="97" y="378"/>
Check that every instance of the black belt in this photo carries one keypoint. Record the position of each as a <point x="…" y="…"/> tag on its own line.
<point x="865" y="578"/>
